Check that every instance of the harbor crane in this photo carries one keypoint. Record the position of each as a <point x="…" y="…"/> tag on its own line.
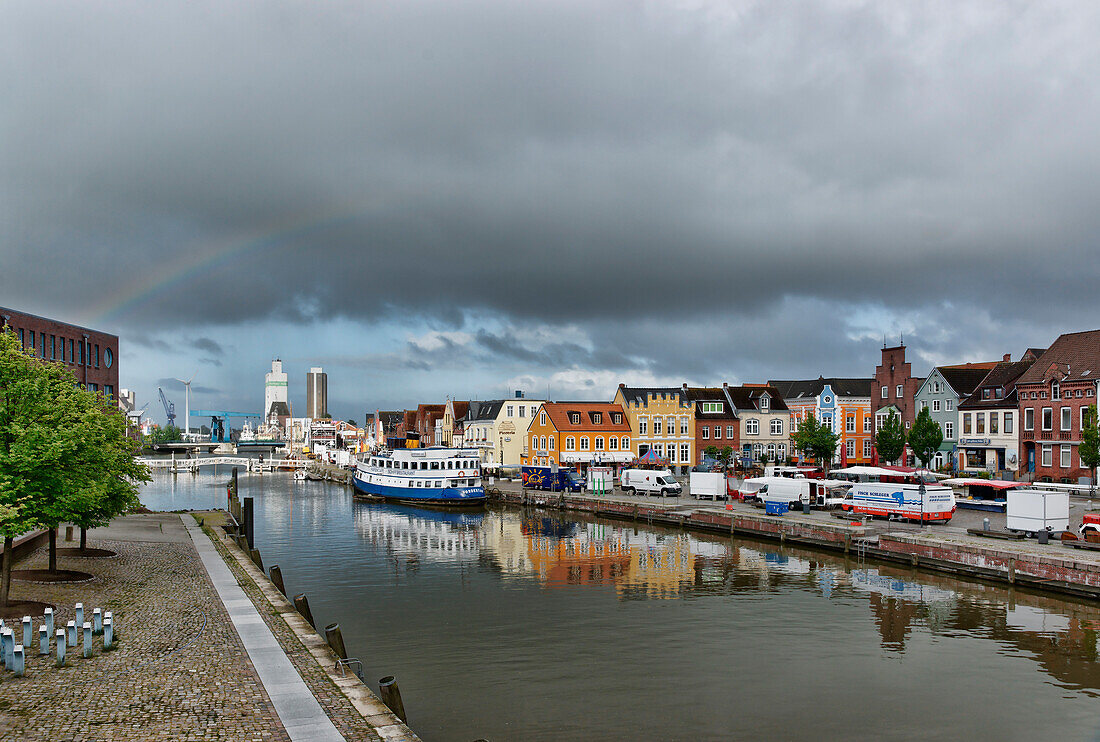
<point x="219" y="422"/>
<point x="169" y="407"/>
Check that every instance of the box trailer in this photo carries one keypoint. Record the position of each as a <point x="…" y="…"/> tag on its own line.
<point x="1031" y="510"/>
<point x="707" y="484"/>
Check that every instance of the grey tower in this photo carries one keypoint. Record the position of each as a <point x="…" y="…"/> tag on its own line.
<point x="316" y="393"/>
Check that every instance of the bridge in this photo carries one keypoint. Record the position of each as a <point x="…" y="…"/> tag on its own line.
<point x="247" y="463"/>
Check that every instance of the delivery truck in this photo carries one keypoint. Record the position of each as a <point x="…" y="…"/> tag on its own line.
<point x="545" y="478"/>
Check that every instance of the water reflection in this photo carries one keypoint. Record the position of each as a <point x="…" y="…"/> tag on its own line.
<point x="695" y="610"/>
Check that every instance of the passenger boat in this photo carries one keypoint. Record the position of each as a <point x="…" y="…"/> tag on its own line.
<point x="982" y="494"/>
<point x="423" y="476"/>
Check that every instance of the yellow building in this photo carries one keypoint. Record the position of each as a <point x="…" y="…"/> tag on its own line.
<point x="663" y="420"/>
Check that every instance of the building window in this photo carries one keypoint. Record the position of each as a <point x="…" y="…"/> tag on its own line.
<point x="82" y="344"/>
<point x="850" y="448"/>
<point x="867" y="424"/>
<point x="1064" y="457"/>
<point x="108" y="355"/>
<point x="1029" y="418"/>
<point x="935" y="405"/>
<point x="966" y="423"/>
<point x="850" y="423"/>
<point x="897" y="391"/>
<point x="53" y="347"/>
<point x="511" y="409"/>
<point x="752" y="427"/>
<point x="705" y="430"/>
<point x="626" y="442"/>
<point x="1048" y="418"/>
<point x="712" y="406"/>
<point x="656" y="426"/>
<point x="685" y="453"/>
<point x="550" y="443"/>
<point x="643" y="426"/>
<point x="717" y="432"/>
<point x="993" y="419"/>
<point x="923" y="405"/>
<point x="542" y="442"/>
<point x="1067" y="418"/>
<point x="109" y="390"/>
<point x="949" y="405"/>
<point x="729" y="432"/>
<point x="659" y="449"/>
<point x="765" y="403"/>
<point x="617" y="418"/>
<point x="777" y="426"/>
<point x="575" y="418"/>
<point x="597" y="418"/>
<point x="1084" y="418"/>
<point x="1047" y="453"/>
<point x="522" y="411"/>
<point x="979" y="427"/>
<point x="542" y="418"/>
<point x="584" y="443"/>
<point x="570" y="443"/>
<point x="599" y="443"/>
<point x="1008" y="423"/>
<point x="949" y="430"/>
<point x="866" y="448"/>
<point x="1054" y="390"/>
<point x="782" y="451"/>
<point x="97" y="355"/>
<point x="683" y="427"/>
<point x="884" y="395"/>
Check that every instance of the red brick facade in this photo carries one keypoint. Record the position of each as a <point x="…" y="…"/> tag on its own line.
<point x="1052" y="396"/>
<point x="894" y="372"/>
<point x="90" y="354"/>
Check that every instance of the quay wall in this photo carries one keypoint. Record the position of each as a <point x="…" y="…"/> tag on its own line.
<point x="1058" y="571"/>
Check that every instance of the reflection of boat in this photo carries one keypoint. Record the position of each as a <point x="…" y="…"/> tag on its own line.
<point x="300" y="474"/>
<point x="434" y="535"/>
<point x="426" y="476"/>
<point x="982" y="494"/>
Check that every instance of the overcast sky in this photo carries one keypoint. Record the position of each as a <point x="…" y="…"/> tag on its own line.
<point x="435" y="199"/>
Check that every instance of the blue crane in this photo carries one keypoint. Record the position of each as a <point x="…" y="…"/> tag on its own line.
<point x="219" y="430"/>
<point x="169" y="407"/>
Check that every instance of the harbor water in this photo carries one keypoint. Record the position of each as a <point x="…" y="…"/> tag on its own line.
<point x="531" y="624"/>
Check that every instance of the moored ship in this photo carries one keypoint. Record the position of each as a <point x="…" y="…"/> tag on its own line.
<point x="423" y="476"/>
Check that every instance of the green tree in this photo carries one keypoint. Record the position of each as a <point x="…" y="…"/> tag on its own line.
<point x="890" y="439"/>
<point x="1089" y="450"/>
<point x="816" y="440"/>
<point x="925" y="437"/>
<point x="167" y="434"/>
<point x="725" y="456"/>
<point x="711" y="451"/>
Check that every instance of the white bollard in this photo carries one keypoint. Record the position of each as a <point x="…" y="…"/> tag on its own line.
<point x="61" y="646"/>
<point x="28" y="631"/>
<point x="87" y="639"/>
<point x="70" y="633"/>
<point x="49" y="621"/>
<point x="18" y="661"/>
<point x="108" y="633"/>
<point x="79" y="613"/>
<point x="4" y="645"/>
<point x="110" y="616"/>
<point x="9" y="647"/>
<point x="97" y="621"/>
<point x="43" y="640"/>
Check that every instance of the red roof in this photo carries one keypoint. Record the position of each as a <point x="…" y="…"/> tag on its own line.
<point x="559" y="414"/>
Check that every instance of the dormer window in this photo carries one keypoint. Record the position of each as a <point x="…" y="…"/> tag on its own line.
<point x="597" y="418"/>
<point x="575" y="418"/>
<point x="1054" y="390"/>
<point x="712" y="407"/>
<point x="617" y="418"/>
<point x="765" y="403"/>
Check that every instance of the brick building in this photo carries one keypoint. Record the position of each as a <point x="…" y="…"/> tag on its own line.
<point x="92" y="355"/>
<point x="895" y="390"/>
<point x="1054" y="394"/>
<point x="716" y="422"/>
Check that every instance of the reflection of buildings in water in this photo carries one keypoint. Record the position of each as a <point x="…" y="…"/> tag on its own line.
<point x="503" y="537"/>
<point x="432" y="536"/>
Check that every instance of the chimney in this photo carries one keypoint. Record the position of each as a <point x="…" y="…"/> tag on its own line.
<point x="725" y="385"/>
<point x="1007" y="358"/>
<point x="622" y="385"/>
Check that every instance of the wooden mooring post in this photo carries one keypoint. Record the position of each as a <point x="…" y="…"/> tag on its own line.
<point x="391" y="696"/>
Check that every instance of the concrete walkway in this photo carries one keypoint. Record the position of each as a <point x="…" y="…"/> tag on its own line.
<point x="301" y="715"/>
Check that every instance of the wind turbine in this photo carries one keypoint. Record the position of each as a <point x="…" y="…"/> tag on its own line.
<point x="187" y="406"/>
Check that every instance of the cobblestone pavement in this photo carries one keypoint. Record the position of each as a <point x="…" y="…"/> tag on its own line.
<point x="179" y="671"/>
<point x="340" y="710"/>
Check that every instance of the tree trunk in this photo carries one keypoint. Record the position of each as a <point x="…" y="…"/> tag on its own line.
<point x="5" y="579"/>
<point x="83" y="538"/>
<point x="53" y="549"/>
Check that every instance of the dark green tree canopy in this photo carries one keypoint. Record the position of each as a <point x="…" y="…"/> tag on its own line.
<point x="815" y="440"/>
<point x="890" y="439"/>
<point x="925" y="437"/>
<point x="1089" y="450"/>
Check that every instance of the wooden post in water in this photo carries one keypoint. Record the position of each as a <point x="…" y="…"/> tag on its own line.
<point x="277" y="578"/>
<point x="336" y="640"/>
<point x="255" y="554"/>
<point x="301" y="603"/>
<point x="391" y="696"/>
<point x="249" y="523"/>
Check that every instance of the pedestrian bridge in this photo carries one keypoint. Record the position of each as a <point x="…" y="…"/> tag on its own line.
<point x="247" y="463"/>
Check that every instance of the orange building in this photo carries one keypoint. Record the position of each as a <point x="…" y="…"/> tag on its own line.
<point x="577" y="434"/>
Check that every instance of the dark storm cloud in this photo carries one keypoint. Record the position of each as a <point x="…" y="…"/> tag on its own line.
<point x="675" y="179"/>
<point x="208" y="345"/>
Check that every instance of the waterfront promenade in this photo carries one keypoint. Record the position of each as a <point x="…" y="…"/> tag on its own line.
<point x="201" y="655"/>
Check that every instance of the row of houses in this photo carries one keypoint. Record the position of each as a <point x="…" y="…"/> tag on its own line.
<point x="1016" y="418"/>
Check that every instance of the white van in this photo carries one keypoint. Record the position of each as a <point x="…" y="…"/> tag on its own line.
<point x="650" y="482"/>
<point x="819" y="493"/>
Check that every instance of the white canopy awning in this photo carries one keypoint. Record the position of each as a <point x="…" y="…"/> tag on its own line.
<point x="596" y="457"/>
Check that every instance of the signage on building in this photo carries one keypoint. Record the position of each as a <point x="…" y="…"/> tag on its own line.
<point x="974" y="442"/>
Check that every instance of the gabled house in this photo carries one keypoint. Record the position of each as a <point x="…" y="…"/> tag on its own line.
<point x="1054" y="395"/>
<point x="716" y="421"/>
<point x="578" y="434"/>
<point x="765" y="421"/>
<point x="454" y="413"/>
<point x="941" y="393"/>
<point x="842" y="404"/>
<point x="993" y="409"/>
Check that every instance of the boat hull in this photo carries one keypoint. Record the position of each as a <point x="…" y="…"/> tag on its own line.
<point x="445" y="496"/>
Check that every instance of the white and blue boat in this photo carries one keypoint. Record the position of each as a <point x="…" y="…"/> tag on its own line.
<point x="423" y="476"/>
